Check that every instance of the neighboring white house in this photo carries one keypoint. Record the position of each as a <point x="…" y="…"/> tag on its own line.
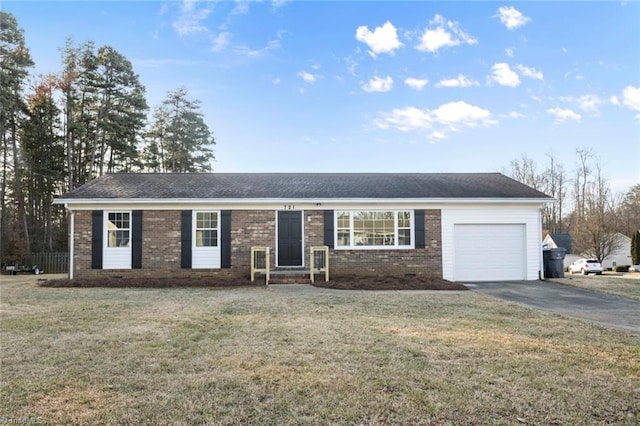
<point x="620" y="256"/>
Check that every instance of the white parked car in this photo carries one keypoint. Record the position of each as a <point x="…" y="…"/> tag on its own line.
<point x="634" y="268"/>
<point x="586" y="267"/>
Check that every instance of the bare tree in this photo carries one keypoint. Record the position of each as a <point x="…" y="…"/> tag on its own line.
<point x="554" y="183"/>
<point x="523" y="170"/>
<point x="581" y="181"/>
<point x="593" y="232"/>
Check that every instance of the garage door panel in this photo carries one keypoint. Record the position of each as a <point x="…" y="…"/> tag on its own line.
<point x="488" y="252"/>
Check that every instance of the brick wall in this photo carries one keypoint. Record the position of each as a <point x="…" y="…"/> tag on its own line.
<point x="421" y="262"/>
<point x="161" y="247"/>
<point x="251" y="228"/>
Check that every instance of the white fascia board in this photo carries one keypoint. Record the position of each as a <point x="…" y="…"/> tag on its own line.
<point x="299" y="203"/>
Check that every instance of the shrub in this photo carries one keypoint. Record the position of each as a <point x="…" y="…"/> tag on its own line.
<point x="622" y="268"/>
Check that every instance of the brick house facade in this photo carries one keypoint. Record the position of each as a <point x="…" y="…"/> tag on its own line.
<point x="439" y="225"/>
<point x="161" y="247"/>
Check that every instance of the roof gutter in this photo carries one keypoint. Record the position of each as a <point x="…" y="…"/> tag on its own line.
<point x="69" y="201"/>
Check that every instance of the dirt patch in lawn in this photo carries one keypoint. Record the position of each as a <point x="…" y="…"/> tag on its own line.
<point x="390" y="283"/>
<point x="340" y="283"/>
<point x="150" y="282"/>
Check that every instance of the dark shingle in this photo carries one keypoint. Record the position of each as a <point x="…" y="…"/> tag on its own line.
<point x="302" y="186"/>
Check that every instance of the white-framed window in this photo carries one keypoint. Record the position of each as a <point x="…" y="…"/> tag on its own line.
<point x="206" y="229"/>
<point x="118" y="229"/>
<point x="374" y="229"/>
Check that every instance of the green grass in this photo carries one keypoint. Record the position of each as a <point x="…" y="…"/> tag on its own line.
<point x="290" y="355"/>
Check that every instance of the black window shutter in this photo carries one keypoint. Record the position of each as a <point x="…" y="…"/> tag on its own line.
<point x="96" y="239"/>
<point x="418" y="217"/>
<point x="225" y="239"/>
<point x="185" y="261"/>
<point x="136" y="239"/>
<point x="328" y="228"/>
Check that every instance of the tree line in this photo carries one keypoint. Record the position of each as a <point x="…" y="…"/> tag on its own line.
<point x="60" y="130"/>
<point x="586" y="208"/>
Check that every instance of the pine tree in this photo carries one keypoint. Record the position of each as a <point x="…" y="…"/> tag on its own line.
<point x="15" y="60"/>
<point x="635" y="247"/>
<point x="179" y="140"/>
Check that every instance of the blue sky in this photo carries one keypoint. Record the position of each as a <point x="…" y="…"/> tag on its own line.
<point x="364" y="86"/>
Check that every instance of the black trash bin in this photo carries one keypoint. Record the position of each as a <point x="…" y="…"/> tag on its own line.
<point x="553" y="260"/>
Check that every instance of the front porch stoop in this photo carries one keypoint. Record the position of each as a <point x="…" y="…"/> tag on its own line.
<point x="289" y="276"/>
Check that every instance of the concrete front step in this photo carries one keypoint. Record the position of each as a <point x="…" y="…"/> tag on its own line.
<point x="289" y="277"/>
<point x="289" y="280"/>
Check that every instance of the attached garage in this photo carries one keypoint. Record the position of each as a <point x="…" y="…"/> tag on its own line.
<point x="487" y="252"/>
<point x="485" y="242"/>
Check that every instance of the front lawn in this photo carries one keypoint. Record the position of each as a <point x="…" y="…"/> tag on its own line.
<point x="608" y="283"/>
<point x="304" y="355"/>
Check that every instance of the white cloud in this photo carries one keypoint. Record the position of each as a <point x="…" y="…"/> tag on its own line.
<point x="510" y="51"/>
<point x="459" y="81"/>
<point x="382" y="39"/>
<point x="241" y="7"/>
<point x="278" y="3"/>
<point x="406" y="119"/>
<point x="511" y="17"/>
<point x="515" y="115"/>
<point x="437" y="135"/>
<point x="588" y="103"/>
<point x="631" y="97"/>
<point x="449" y="117"/>
<point x="308" y="77"/>
<point x="504" y="75"/>
<point x="443" y="33"/>
<point x="276" y="81"/>
<point x="256" y="53"/>
<point x="416" y="83"/>
<point x="378" y="84"/>
<point x="562" y="114"/>
<point x="191" y="17"/>
<point x="221" y="42"/>
<point x="530" y="72"/>
<point x="351" y="65"/>
<point x="614" y="100"/>
<point x="461" y="112"/>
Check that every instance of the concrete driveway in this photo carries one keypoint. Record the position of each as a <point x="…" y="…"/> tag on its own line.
<point x="601" y="308"/>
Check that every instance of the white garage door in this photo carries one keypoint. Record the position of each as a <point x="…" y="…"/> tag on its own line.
<point x="489" y="252"/>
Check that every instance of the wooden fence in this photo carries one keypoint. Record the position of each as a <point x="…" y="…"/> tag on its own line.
<point x="52" y="262"/>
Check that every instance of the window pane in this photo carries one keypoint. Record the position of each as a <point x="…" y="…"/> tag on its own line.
<point x="343" y="219"/>
<point x="404" y="220"/>
<point x="118" y="229"/>
<point x="206" y="238"/>
<point x="343" y="238"/>
<point x="118" y="238"/>
<point x="206" y="220"/>
<point x="404" y="237"/>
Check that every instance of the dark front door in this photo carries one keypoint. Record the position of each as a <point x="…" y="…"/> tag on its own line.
<point x="290" y="238"/>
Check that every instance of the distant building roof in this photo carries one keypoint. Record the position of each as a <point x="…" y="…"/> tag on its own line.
<point x="563" y="241"/>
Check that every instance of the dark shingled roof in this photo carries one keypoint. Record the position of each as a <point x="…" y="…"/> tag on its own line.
<point x="563" y="241"/>
<point x="302" y="186"/>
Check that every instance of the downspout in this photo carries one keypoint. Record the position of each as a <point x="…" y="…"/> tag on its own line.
<point x="71" y="239"/>
<point x="541" y="258"/>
